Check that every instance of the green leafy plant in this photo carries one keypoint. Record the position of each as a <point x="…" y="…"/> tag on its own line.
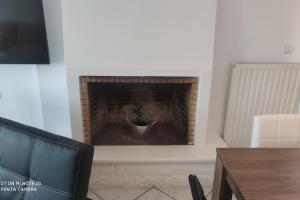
<point x="140" y="118"/>
<point x="137" y="109"/>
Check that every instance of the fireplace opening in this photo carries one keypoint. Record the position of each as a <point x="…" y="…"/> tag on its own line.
<point x="139" y="110"/>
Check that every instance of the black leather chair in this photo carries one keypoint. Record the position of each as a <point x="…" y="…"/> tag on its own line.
<point x="196" y="188"/>
<point x="37" y="165"/>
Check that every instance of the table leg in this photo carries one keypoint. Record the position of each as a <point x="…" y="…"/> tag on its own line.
<point x="221" y="188"/>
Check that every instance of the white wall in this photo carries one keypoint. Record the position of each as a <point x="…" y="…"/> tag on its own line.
<point x="254" y="31"/>
<point x="139" y="35"/>
<point x="139" y="38"/>
<point x="19" y="94"/>
<point x="52" y="78"/>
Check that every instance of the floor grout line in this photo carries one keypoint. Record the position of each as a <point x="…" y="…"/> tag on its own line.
<point x="96" y="194"/>
<point x="164" y="193"/>
<point x="144" y="193"/>
<point x="209" y="193"/>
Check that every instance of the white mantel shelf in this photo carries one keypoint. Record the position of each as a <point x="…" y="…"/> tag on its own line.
<point x="159" y="154"/>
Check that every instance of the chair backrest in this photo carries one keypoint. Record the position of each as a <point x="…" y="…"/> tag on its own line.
<point x="37" y="165"/>
<point x="276" y="131"/>
<point x="196" y="188"/>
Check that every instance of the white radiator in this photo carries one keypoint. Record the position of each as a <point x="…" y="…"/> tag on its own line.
<point x="259" y="89"/>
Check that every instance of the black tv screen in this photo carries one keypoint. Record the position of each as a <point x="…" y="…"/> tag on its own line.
<point x="23" y="38"/>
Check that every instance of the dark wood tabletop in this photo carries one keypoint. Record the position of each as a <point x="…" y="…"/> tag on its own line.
<point x="257" y="174"/>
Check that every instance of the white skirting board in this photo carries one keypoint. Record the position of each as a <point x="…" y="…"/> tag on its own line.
<point x="259" y="89"/>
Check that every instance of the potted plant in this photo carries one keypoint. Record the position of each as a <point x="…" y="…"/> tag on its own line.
<point x="140" y="122"/>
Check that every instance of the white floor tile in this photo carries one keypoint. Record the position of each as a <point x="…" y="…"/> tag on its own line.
<point x="91" y="195"/>
<point x="208" y="192"/>
<point x="208" y="197"/>
<point x="120" y="193"/>
<point x="179" y="193"/>
<point x="182" y="193"/>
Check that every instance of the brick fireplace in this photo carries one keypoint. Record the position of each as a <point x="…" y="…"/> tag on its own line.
<point x="110" y="105"/>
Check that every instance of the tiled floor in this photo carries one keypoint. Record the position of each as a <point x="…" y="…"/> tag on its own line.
<point x="152" y="193"/>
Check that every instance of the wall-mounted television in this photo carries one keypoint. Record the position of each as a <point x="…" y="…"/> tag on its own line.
<point x="23" y="38"/>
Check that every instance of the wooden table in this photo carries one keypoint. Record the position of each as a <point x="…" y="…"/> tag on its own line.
<point x="257" y="174"/>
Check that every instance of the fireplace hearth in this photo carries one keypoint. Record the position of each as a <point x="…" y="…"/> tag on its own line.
<point x="138" y="110"/>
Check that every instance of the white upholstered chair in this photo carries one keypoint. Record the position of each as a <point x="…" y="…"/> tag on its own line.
<point x="276" y="131"/>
